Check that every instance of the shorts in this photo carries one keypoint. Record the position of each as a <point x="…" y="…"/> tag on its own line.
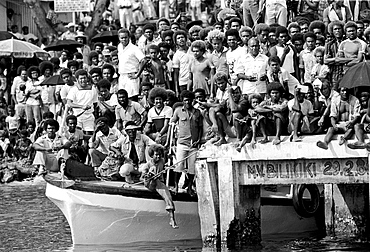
<point x="86" y="122"/>
<point x="188" y="165"/>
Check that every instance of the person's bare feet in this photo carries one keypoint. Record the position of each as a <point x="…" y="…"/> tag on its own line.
<point x="239" y="148"/>
<point x="264" y="140"/>
<point x="342" y="140"/>
<point x="221" y="141"/>
<point x="276" y="141"/>
<point x="296" y="139"/>
<point x="173" y="223"/>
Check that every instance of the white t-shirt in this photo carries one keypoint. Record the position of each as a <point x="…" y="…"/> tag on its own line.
<point x="181" y="60"/>
<point x="158" y="117"/>
<point x="306" y="106"/>
<point x="12" y="121"/>
<point x="31" y="86"/>
<point x="65" y="90"/>
<point x="19" y="95"/>
<point x="231" y="58"/>
<point x="222" y="95"/>
<point x="83" y="97"/>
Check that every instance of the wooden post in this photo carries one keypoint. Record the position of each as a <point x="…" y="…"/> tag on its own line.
<point x="228" y="185"/>
<point x="329" y="209"/>
<point x="208" y="203"/>
<point x="346" y="210"/>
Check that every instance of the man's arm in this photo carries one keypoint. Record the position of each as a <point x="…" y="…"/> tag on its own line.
<point x="176" y="80"/>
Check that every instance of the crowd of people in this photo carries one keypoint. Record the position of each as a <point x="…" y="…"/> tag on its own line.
<point x="123" y="108"/>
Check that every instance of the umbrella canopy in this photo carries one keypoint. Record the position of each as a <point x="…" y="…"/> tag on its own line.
<point x="106" y="36"/>
<point x="60" y="45"/>
<point x="53" y="81"/>
<point x="6" y="35"/>
<point x="357" y="76"/>
<point x="20" y="49"/>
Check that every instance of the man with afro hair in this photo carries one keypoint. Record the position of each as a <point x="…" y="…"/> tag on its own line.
<point x="158" y="116"/>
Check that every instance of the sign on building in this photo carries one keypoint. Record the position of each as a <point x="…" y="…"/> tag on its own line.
<point x="71" y="5"/>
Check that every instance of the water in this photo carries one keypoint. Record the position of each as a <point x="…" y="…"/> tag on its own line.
<point x="31" y="222"/>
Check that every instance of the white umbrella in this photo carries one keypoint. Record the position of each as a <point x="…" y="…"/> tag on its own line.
<point x="20" y="49"/>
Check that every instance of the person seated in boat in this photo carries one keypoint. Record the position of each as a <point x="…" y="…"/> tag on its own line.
<point x="130" y="149"/>
<point x="158" y="116"/>
<point x="189" y="136"/>
<point x="344" y="114"/>
<point x="363" y="126"/>
<point x="274" y="111"/>
<point x="300" y="111"/>
<point x="254" y="101"/>
<point x="75" y="136"/>
<point x="99" y="143"/>
<point x="49" y="148"/>
<point x="152" y="172"/>
<point x="128" y="110"/>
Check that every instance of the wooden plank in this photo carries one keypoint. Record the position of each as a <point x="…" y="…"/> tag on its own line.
<point x="228" y="185"/>
<point x="329" y="209"/>
<point x="305" y="171"/>
<point x="207" y="202"/>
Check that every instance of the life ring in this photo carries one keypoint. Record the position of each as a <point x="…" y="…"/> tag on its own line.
<point x="301" y="205"/>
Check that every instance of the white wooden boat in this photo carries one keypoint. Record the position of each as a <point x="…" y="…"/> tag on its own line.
<point x="105" y="212"/>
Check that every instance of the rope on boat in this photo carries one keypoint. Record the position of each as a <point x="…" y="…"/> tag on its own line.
<point x="171" y="167"/>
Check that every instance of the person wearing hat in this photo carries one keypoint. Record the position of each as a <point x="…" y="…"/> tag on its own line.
<point x="101" y="140"/>
<point x="85" y="49"/>
<point x="131" y="148"/>
<point x="70" y="33"/>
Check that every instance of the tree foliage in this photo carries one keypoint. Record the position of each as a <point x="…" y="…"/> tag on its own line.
<point x="46" y="29"/>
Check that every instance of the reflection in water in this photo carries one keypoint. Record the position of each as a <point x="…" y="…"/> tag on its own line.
<point x="31" y="222"/>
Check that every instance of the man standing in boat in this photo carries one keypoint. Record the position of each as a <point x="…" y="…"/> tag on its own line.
<point x="190" y="133"/>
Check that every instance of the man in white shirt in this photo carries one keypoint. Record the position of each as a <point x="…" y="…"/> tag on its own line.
<point x="234" y="52"/>
<point x="252" y="70"/>
<point x="129" y="56"/>
<point x="83" y="99"/>
<point x="181" y="61"/>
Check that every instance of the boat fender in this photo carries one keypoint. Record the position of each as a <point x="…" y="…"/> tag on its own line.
<point x="303" y="207"/>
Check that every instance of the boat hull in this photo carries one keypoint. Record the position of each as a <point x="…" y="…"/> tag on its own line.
<point x="98" y="218"/>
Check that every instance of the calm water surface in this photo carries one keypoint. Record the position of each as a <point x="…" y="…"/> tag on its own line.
<point x="31" y="222"/>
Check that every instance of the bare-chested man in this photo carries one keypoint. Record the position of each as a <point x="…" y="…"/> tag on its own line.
<point x="344" y="113"/>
